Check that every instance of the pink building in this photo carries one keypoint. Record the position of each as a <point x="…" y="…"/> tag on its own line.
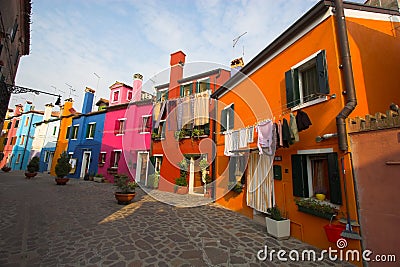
<point x="11" y="138"/>
<point x="127" y="132"/>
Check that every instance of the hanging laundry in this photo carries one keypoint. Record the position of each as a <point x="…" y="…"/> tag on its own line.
<point x="157" y="123"/>
<point x="294" y="134"/>
<point x="235" y="141"/>
<point x="265" y="135"/>
<point x="286" y="139"/>
<point x="156" y="110"/>
<point x="228" y="144"/>
<point x="250" y="134"/>
<point x="280" y="134"/>
<point x="186" y="111"/>
<point x="242" y="138"/>
<point x="276" y="135"/>
<point x="201" y="109"/>
<point x="302" y="120"/>
<point x="172" y="112"/>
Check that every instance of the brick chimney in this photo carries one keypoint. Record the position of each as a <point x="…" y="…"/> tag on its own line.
<point x="177" y="62"/>
<point x="88" y="100"/>
<point x="137" y="87"/>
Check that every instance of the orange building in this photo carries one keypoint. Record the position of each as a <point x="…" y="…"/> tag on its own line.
<point x="67" y="113"/>
<point x="308" y="71"/>
<point x="178" y="131"/>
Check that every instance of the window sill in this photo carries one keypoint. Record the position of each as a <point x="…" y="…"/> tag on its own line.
<point x="119" y="134"/>
<point x="310" y="103"/>
<point x="316" y="213"/>
<point x="89" y="137"/>
<point x="144" y="132"/>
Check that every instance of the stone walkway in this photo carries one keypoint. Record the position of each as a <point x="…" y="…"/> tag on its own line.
<point x="80" y="224"/>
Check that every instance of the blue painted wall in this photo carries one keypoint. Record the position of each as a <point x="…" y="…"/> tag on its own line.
<point x="24" y="149"/>
<point x="82" y="144"/>
<point x="43" y="165"/>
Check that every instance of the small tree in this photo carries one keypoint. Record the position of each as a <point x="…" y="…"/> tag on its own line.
<point x="33" y="165"/>
<point x="123" y="183"/>
<point x="63" y="167"/>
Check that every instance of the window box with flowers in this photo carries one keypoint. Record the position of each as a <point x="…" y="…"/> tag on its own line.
<point x="316" y="207"/>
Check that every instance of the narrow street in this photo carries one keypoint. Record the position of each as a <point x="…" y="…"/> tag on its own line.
<point x="80" y="224"/>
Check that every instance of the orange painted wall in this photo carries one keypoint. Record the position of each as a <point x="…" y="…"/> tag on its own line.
<point x="379" y="62"/>
<point x="62" y="142"/>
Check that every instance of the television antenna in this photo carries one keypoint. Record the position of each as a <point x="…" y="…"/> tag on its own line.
<point x="70" y="90"/>
<point x="237" y="39"/>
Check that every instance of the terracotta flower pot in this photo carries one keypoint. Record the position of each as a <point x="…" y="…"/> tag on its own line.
<point x="6" y="169"/>
<point x="182" y="190"/>
<point x="61" y="181"/>
<point x="29" y="175"/>
<point x="124" y="198"/>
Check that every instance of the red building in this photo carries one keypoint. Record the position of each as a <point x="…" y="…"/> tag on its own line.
<point x="182" y="125"/>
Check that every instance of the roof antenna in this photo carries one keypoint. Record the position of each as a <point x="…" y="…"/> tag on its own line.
<point x="237" y="39"/>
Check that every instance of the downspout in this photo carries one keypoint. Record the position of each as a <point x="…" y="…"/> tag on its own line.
<point x="214" y="149"/>
<point x="346" y="67"/>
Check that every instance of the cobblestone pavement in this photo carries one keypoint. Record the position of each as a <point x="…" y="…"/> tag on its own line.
<point x="80" y="224"/>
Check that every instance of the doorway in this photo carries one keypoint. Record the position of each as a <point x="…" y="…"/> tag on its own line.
<point x="50" y="160"/>
<point x="195" y="183"/>
<point x="85" y="163"/>
<point x="142" y="167"/>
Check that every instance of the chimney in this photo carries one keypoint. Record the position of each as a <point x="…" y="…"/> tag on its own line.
<point x="28" y="106"/>
<point x="137" y="87"/>
<point x="18" y="110"/>
<point x="64" y="111"/>
<point x="88" y="100"/>
<point x="177" y="62"/>
<point x="48" y="108"/>
<point x="236" y="65"/>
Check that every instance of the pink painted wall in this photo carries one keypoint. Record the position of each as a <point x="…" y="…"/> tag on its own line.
<point x="12" y="132"/>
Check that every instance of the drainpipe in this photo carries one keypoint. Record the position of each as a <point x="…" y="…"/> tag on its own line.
<point x="214" y="149"/>
<point x="347" y="72"/>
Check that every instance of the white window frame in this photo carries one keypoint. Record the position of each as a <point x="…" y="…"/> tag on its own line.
<point x="143" y="126"/>
<point x="101" y="157"/>
<point x="302" y="65"/>
<point x="123" y="130"/>
<point x="205" y="79"/>
<point x="162" y="91"/>
<point x="89" y="125"/>
<point x="119" y="96"/>
<point x="187" y="83"/>
<point x="227" y="116"/>
<point x="73" y="127"/>
<point x="158" y="157"/>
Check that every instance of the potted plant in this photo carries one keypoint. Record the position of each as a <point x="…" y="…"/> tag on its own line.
<point x="316" y="207"/>
<point x="126" y="189"/>
<point x="153" y="179"/>
<point x="32" y="168"/>
<point x="277" y="226"/>
<point x="98" y="178"/>
<point x="203" y="168"/>
<point x="183" y="166"/>
<point x="236" y="187"/>
<point x="62" y="169"/>
<point x="155" y="136"/>
<point x="179" y="135"/>
<point x="6" y="168"/>
<point x="196" y="133"/>
<point x="181" y="185"/>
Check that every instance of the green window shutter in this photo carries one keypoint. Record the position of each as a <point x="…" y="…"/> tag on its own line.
<point x="334" y="179"/>
<point x="208" y="84"/>
<point x="152" y="165"/>
<point x="207" y="129"/>
<point x="292" y="88"/>
<point x="158" y="96"/>
<point x="191" y="88"/>
<point x="182" y="90"/>
<point x="68" y="132"/>
<point x="88" y="131"/>
<point x="232" y="169"/>
<point x="299" y="176"/>
<point x="197" y="87"/>
<point x="231" y="117"/>
<point x="223" y="120"/>
<point x="322" y="71"/>
<point x="166" y="94"/>
<point x="93" y="130"/>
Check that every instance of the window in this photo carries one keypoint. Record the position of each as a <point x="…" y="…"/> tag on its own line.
<point x="119" y="126"/>
<point x="70" y="155"/>
<point x="68" y="132"/>
<point x="316" y="173"/>
<point x="18" y="158"/>
<point x="129" y="97"/>
<point x="54" y="130"/>
<point x="14" y="31"/>
<point x="46" y="156"/>
<point x="146" y="124"/>
<point x="162" y="95"/>
<point x="203" y="86"/>
<point x="307" y="81"/>
<point x="27" y="121"/>
<point x="75" y="130"/>
<point x="13" y="140"/>
<point x="115" y="156"/>
<point x="16" y="124"/>
<point x="102" y="157"/>
<point x="186" y="89"/>
<point x="161" y="129"/>
<point x="22" y="140"/>
<point x="227" y="118"/>
<point x="9" y="125"/>
<point x="5" y="141"/>
<point x="90" y="130"/>
<point x="115" y="96"/>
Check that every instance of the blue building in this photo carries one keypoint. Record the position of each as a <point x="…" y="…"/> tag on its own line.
<point x="85" y="136"/>
<point x="24" y="137"/>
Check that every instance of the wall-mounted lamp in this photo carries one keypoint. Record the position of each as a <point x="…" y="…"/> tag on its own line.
<point x="325" y="136"/>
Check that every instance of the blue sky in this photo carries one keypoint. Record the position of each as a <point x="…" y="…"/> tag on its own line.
<point x="71" y="40"/>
